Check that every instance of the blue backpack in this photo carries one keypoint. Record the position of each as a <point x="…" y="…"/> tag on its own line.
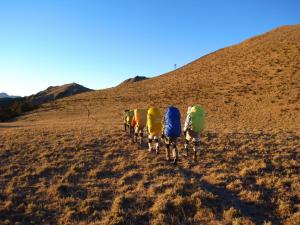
<point x="172" y="122"/>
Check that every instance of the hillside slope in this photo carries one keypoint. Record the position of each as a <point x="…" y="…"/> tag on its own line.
<point x="250" y="86"/>
<point x="69" y="162"/>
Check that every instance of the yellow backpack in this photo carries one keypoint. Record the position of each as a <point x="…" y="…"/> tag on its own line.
<point x="154" y="121"/>
<point x="140" y="116"/>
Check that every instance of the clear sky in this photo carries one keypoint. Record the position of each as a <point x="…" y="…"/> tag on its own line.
<point x="100" y="43"/>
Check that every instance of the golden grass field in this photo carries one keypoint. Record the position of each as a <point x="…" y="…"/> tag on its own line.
<point x="61" y="166"/>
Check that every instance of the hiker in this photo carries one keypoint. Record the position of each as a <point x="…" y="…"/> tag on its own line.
<point x="171" y="131"/>
<point x="125" y="116"/>
<point x="194" y="125"/>
<point x="139" y="123"/>
<point x="128" y="120"/>
<point x="154" y="127"/>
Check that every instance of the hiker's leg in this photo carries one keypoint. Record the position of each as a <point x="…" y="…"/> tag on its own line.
<point x="167" y="142"/>
<point x="141" y="136"/>
<point x="150" y="143"/>
<point x="125" y="127"/>
<point x="167" y="152"/>
<point x="196" y="149"/>
<point x="135" y="136"/>
<point x="156" y="144"/>
<point x="175" y="152"/>
<point x="188" y="138"/>
<point x="186" y="145"/>
<point x="136" y="133"/>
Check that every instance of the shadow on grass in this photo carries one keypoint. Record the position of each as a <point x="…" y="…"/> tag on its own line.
<point x="5" y="126"/>
<point x="257" y="212"/>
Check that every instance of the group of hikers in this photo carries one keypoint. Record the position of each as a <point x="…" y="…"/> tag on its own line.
<point x="167" y="128"/>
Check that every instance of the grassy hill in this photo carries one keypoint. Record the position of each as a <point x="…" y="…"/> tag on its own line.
<point x="13" y="107"/>
<point x="250" y="86"/>
<point x="70" y="162"/>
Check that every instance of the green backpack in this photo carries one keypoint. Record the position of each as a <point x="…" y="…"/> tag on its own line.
<point x="197" y="118"/>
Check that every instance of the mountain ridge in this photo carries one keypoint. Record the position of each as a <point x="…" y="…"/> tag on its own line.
<point x="56" y="92"/>
<point x="11" y="107"/>
<point x="5" y="95"/>
<point x="134" y="80"/>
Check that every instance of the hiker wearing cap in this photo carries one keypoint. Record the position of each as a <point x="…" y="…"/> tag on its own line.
<point x="138" y="123"/>
<point x="194" y="125"/>
<point x="171" y="131"/>
<point x="154" y="127"/>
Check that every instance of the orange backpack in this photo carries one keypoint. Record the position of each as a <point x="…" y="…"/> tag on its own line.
<point x="140" y="116"/>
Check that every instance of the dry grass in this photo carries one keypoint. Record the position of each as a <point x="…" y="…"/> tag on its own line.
<point x="111" y="181"/>
<point x="59" y="166"/>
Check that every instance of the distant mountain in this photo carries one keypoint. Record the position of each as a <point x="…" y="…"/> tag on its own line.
<point x="11" y="107"/>
<point x="56" y="92"/>
<point x="4" y="95"/>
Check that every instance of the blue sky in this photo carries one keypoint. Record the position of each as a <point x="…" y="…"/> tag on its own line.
<point x="100" y="43"/>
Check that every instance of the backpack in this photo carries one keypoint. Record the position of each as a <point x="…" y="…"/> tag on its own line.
<point x="154" y="121"/>
<point x="125" y="115"/>
<point x="197" y="118"/>
<point x="140" y="116"/>
<point x="129" y="116"/>
<point x="172" y="125"/>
